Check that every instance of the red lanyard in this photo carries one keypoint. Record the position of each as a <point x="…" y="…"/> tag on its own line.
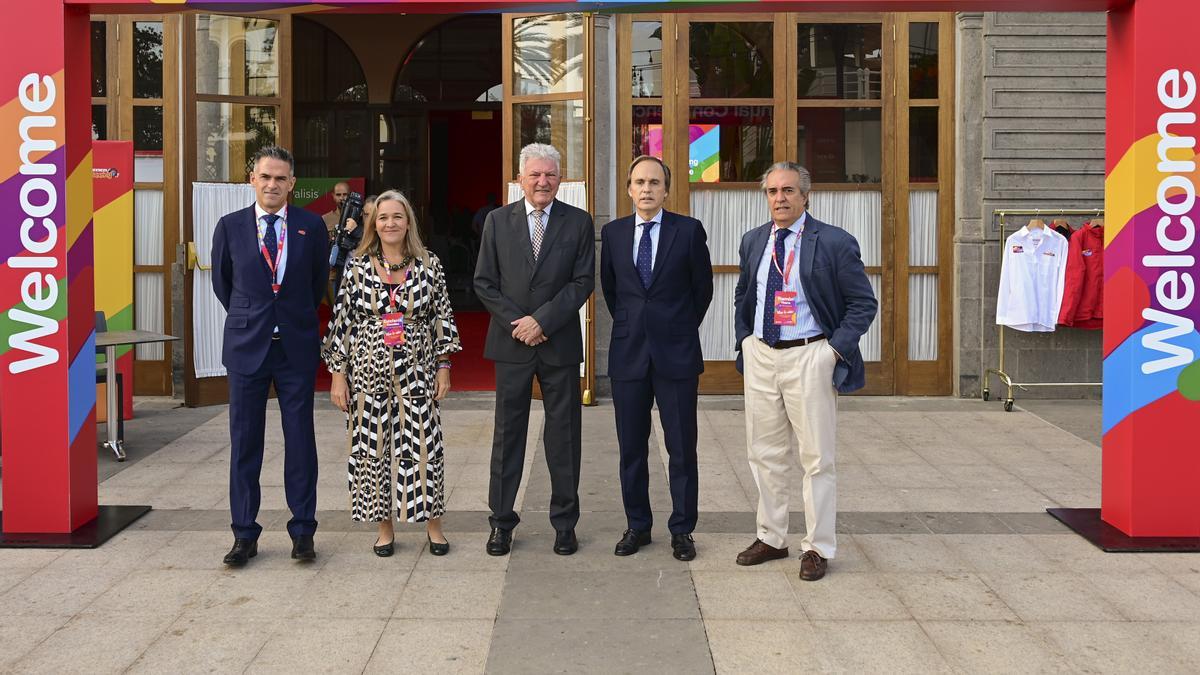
<point x="387" y="272"/>
<point x="786" y="271"/>
<point x="274" y="265"/>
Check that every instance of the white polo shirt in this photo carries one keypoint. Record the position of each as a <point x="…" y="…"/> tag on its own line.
<point x="1032" y="278"/>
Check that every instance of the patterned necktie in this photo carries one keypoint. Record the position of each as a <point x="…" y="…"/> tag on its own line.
<point x="539" y="230"/>
<point x="645" y="252"/>
<point x="770" y="330"/>
<point x="270" y="237"/>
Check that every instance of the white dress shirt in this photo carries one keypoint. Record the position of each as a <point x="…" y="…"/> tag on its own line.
<point x="806" y="325"/>
<point x="1032" y="278"/>
<point x="637" y="236"/>
<point x="280" y="226"/>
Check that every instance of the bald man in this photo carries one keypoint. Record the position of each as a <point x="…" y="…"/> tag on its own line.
<point x="341" y="192"/>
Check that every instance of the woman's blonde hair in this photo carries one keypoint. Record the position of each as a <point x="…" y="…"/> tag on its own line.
<point x="412" y="239"/>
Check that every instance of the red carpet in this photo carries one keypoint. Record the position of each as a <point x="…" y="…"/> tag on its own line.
<point x="471" y="371"/>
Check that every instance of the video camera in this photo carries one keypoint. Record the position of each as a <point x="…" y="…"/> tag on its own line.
<point x="353" y="208"/>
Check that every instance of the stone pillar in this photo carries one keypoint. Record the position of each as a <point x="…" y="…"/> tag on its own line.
<point x="968" y="204"/>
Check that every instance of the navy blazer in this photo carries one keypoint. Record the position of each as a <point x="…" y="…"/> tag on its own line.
<point x="835" y="285"/>
<point x="659" y="325"/>
<point x="242" y="281"/>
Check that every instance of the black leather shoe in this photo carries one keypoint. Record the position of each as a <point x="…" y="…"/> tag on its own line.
<point x="683" y="547"/>
<point x="436" y="548"/>
<point x="381" y="550"/>
<point x="241" y="553"/>
<point x="565" y="542"/>
<point x="499" y="542"/>
<point x="631" y="541"/>
<point x="302" y="548"/>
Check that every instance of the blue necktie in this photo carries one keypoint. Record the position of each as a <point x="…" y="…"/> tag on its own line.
<point x="770" y="330"/>
<point x="645" y="264"/>
<point x="271" y="238"/>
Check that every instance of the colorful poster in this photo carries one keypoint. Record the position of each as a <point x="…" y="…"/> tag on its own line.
<point x="112" y="227"/>
<point x="316" y="194"/>
<point x="704" y="153"/>
<point x="653" y="143"/>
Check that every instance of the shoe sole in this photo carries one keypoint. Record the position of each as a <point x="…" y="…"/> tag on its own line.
<point x="759" y="562"/>
<point x="242" y="563"/>
<point x="303" y="557"/>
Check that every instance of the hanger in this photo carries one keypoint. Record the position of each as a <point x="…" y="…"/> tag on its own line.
<point x="1098" y="221"/>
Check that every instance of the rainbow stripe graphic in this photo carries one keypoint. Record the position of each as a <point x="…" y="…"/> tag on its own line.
<point x="112" y="193"/>
<point x="1151" y="479"/>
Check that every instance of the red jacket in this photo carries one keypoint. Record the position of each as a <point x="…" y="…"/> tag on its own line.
<point x="1083" y="292"/>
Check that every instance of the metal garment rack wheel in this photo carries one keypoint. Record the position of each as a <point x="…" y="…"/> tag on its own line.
<point x="1004" y="376"/>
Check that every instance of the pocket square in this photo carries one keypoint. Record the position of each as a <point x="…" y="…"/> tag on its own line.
<point x="300" y="232"/>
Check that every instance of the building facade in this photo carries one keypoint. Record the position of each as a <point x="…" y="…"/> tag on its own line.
<point x="916" y="127"/>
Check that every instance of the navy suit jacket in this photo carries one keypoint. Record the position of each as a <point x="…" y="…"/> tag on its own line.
<point x="659" y="325"/>
<point x="835" y="285"/>
<point x="242" y="282"/>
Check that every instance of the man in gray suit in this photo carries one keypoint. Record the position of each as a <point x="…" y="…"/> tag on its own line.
<point x="536" y="268"/>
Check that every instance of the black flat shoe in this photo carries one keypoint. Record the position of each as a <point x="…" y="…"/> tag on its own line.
<point x="241" y="553"/>
<point x="499" y="542"/>
<point x="631" y="541"/>
<point x="683" y="547"/>
<point x="385" y="550"/>
<point x="436" y="548"/>
<point x="302" y="548"/>
<point x="565" y="542"/>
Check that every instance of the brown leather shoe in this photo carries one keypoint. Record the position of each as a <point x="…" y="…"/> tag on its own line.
<point x="759" y="552"/>
<point x="812" y="566"/>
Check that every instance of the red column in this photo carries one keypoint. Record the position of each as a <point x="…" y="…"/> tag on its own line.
<point x="1151" y="478"/>
<point x="47" y="329"/>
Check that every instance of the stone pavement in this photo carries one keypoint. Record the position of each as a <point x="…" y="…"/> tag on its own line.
<point x="947" y="562"/>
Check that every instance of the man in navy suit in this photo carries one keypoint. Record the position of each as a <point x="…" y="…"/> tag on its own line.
<point x="801" y="304"/>
<point x="656" y="274"/>
<point x="270" y="265"/>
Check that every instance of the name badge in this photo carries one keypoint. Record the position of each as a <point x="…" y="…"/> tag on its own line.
<point x="393" y="329"/>
<point x="785" y="308"/>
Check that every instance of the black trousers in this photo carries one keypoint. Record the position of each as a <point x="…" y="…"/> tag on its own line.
<point x="561" y="401"/>
<point x="632" y="400"/>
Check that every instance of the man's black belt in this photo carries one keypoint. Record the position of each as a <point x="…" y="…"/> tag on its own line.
<point x="788" y="344"/>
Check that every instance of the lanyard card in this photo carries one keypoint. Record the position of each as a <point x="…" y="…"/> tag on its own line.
<point x="393" y="329"/>
<point x="785" y="308"/>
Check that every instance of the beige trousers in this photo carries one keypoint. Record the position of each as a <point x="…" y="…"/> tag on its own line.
<point x="790" y="400"/>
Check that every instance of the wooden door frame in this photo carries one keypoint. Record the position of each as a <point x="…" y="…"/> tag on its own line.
<point x="156" y="377"/>
<point x="587" y="383"/>
<point x="215" y="390"/>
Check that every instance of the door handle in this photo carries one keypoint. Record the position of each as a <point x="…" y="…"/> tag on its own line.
<point x="193" y="261"/>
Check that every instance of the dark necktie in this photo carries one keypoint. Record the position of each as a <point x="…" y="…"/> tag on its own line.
<point x="770" y="330"/>
<point x="645" y="262"/>
<point x="271" y="238"/>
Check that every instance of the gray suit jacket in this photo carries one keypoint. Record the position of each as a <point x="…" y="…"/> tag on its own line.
<point x="511" y="285"/>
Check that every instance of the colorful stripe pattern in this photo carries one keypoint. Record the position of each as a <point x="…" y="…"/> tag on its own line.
<point x="1151" y="345"/>
<point x="47" y="334"/>
<point x="112" y="195"/>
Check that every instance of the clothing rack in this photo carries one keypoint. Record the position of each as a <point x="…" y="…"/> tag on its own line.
<point x="1004" y="376"/>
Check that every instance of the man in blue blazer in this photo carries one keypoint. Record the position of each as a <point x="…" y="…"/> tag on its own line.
<point x="656" y="274"/>
<point x="270" y="265"/>
<point x="801" y="304"/>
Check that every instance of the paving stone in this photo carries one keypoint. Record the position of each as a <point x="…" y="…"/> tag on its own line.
<point x="880" y="646"/>
<point x="1099" y="646"/>
<point x="324" y="645"/>
<point x="591" y="646"/>
<point x="593" y="595"/>
<point x="948" y="596"/>
<point x="432" y="646"/>
<point x="1146" y="596"/>
<point x="749" y="595"/>
<point x="1050" y="596"/>
<point x="784" y="647"/>
<point x="20" y="633"/>
<point x="218" y="643"/>
<point x="848" y="597"/>
<point x="450" y="595"/>
<point x="95" y="643"/>
<point x="995" y="647"/>
<point x="910" y="553"/>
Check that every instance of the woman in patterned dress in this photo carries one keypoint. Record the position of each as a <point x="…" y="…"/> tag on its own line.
<point x="388" y="348"/>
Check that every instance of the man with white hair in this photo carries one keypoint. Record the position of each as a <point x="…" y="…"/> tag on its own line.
<point x="801" y="304"/>
<point x="536" y="268"/>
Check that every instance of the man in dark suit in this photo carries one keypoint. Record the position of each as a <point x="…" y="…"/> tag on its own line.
<point x="536" y="268"/>
<point x="270" y="265"/>
<point x="656" y="273"/>
<point x="801" y="304"/>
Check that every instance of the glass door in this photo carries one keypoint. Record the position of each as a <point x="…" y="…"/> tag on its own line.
<point x="547" y="82"/>
<point x="239" y="101"/>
